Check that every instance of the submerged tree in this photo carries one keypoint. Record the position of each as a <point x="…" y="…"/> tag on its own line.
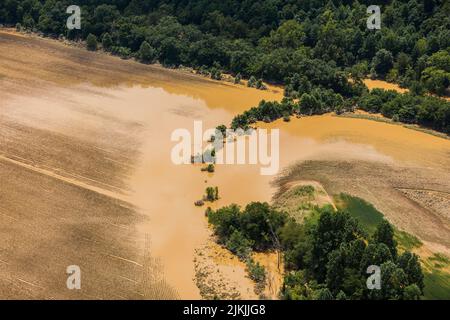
<point x="212" y="194"/>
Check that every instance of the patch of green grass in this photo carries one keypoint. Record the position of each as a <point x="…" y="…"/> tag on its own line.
<point x="437" y="285"/>
<point x="437" y="281"/>
<point x="438" y="261"/>
<point x="304" y="191"/>
<point x="369" y="218"/>
<point x="363" y="211"/>
<point x="314" y="215"/>
<point x="440" y="258"/>
<point x="298" y="202"/>
<point x="406" y="240"/>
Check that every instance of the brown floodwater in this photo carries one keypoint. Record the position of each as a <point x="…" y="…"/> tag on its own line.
<point x="124" y="107"/>
<point x="380" y="84"/>
<point x="166" y="192"/>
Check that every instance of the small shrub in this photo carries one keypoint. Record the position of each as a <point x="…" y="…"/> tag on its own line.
<point x="123" y="52"/>
<point x="257" y="273"/>
<point x="199" y="203"/>
<point x="260" y="85"/>
<point x="251" y="82"/>
<point x="212" y="194"/>
<point x="107" y="41"/>
<point x="237" y="79"/>
<point x="209" y="168"/>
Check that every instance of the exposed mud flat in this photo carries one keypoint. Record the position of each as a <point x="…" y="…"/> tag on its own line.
<point x="220" y="275"/>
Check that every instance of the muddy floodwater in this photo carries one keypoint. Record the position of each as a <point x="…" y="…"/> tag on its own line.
<point x="87" y="177"/>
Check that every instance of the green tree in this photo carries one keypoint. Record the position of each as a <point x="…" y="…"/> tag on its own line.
<point x="331" y="231"/>
<point x="147" y="53"/>
<point x="91" y="42"/>
<point x="409" y="262"/>
<point x="309" y="104"/>
<point x="296" y="287"/>
<point x="252" y="82"/>
<point x="296" y="241"/>
<point x="436" y="80"/>
<point x="341" y="296"/>
<point x="225" y="221"/>
<point x="237" y="79"/>
<point x="289" y="35"/>
<point x="260" y="85"/>
<point x="258" y="274"/>
<point x="212" y="194"/>
<point x="383" y="62"/>
<point x="239" y="245"/>
<point x="393" y="281"/>
<point x="261" y="223"/>
<point x="343" y="269"/>
<point x="440" y="60"/>
<point x="385" y="234"/>
<point x="322" y="294"/>
<point x="412" y="292"/>
<point x="216" y="193"/>
<point x="404" y="62"/>
<point x="107" y="41"/>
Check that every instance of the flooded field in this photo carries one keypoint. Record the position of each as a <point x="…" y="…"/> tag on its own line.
<point x="87" y="178"/>
<point x="379" y="84"/>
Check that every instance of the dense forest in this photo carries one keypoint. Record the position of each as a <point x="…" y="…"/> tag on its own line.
<point x="306" y="45"/>
<point x="326" y="257"/>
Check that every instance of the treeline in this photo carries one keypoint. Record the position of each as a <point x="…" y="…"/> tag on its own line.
<point x="326" y="257"/>
<point x="327" y="41"/>
<point x="266" y="111"/>
<point x="427" y="111"/>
